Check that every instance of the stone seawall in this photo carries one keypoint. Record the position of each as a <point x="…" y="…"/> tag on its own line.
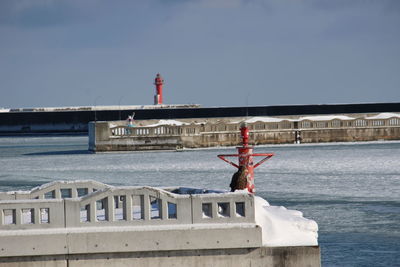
<point x="202" y="133"/>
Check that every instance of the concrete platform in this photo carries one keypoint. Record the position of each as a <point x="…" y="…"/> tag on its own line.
<point x="238" y="257"/>
<point x="86" y="223"/>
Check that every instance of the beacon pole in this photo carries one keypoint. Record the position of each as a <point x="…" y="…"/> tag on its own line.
<point x="245" y="157"/>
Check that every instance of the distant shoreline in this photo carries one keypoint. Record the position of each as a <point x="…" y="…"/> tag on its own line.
<point x="43" y="134"/>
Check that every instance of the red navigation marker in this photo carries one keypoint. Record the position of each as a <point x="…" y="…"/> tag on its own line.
<point x="245" y="157"/>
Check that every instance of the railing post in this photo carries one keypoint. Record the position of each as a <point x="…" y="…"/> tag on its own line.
<point x="232" y="208"/>
<point x="109" y="211"/>
<point x="214" y="209"/>
<point x="146" y="207"/>
<point x="164" y="209"/>
<point x="1" y="217"/>
<point x="128" y="207"/>
<point x="74" y="192"/>
<point x="92" y="212"/>
<point x="57" y="192"/>
<point x="36" y="215"/>
<point x="72" y="212"/>
<point x="18" y="215"/>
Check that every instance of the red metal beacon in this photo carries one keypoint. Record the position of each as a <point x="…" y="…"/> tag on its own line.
<point x="245" y="155"/>
<point x="158" y="82"/>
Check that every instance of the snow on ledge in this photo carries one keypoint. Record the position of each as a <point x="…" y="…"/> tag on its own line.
<point x="265" y="119"/>
<point x="283" y="227"/>
<point x="168" y="122"/>
<point x="326" y="118"/>
<point x="384" y="116"/>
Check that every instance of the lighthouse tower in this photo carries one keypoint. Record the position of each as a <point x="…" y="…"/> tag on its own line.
<point x="158" y="82"/>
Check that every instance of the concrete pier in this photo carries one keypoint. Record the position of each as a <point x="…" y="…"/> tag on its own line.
<point x="200" y="133"/>
<point x="85" y="223"/>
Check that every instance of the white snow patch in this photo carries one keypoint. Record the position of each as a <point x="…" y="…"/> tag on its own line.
<point x="241" y="191"/>
<point x="168" y="122"/>
<point x="265" y="119"/>
<point x="19" y="192"/>
<point x="283" y="227"/>
<point x="326" y="118"/>
<point x="384" y="116"/>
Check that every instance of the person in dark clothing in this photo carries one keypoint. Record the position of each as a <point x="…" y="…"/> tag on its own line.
<point x="239" y="179"/>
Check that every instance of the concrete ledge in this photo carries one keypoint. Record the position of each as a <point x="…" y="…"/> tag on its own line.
<point x="128" y="239"/>
<point x="234" y="257"/>
<point x="161" y="240"/>
<point x="35" y="261"/>
<point x="33" y="245"/>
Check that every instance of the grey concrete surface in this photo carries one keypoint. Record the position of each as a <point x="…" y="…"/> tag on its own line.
<point x="237" y="257"/>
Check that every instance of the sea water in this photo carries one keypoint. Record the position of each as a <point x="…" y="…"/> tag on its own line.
<point x="352" y="190"/>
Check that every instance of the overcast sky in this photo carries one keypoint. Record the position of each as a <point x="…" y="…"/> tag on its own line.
<point x="210" y="52"/>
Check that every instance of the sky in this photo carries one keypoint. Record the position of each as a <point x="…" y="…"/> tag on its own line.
<point x="210" y="52"/>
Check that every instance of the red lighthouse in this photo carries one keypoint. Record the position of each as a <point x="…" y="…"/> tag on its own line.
<point x="159" y="82"/>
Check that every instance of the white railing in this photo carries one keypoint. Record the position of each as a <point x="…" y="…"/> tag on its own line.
<point x="120" y="131"/>
<point x="56" y="190"/>
<point x="90" y="204"/>
<point x="124" y="219"/>
<point x="259" y="126"/>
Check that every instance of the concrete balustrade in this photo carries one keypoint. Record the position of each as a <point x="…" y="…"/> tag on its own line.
<point x="56" y="190"/>
<point x="226" y="126"/>
<point x="118" y="206"/>
<point x="31" y="214"/>
<point x="119" y="131"/>
<point x="129" y="206"/>
<point x="116" y="216"/>
<point x="223" y="208"/>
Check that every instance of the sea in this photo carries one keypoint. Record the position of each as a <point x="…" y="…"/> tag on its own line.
<point x="352" y="190"/>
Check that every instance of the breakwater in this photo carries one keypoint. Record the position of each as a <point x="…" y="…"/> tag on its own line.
<point x="75" y="120"/>
<point x="200" y="133"/>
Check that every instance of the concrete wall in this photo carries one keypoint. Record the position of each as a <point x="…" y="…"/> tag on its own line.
<point x="351" y="134"/>
<point x="237" y="257"/>
<point x="196" y="133"/>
